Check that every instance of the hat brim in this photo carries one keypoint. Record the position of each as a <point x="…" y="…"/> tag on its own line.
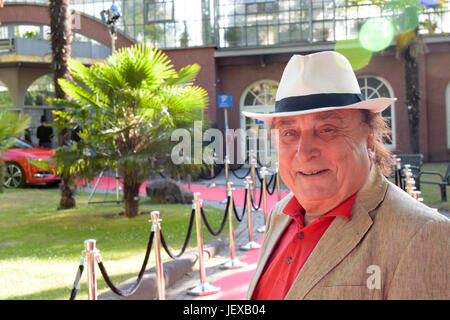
<point x="373" y="105"/>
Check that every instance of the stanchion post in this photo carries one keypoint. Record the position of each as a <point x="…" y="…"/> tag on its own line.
<point x="227" y="162"/>
<point x="264" y="195"/>
<point x="278" y="181"/>
<point x="203" y="288"/>
<point x="251" y="244"/>
<point x="408" y="180"/>
<point x="156" y="228"/>
<point x="90" y="253"/>
<point x="253" y="173"/>
<point x="398" y="173"/>
<point x="212" y="184"/>
<point x="233" y="263"/>
<point x="117" y="186"/>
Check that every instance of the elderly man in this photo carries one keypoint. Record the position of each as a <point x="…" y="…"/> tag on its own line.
<point x="345" y="231"/>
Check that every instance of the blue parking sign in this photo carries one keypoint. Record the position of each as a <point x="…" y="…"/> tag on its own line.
<point x="225" y="101"/>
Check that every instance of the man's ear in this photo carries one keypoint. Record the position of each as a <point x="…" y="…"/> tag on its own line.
<point x="370" y="142"/>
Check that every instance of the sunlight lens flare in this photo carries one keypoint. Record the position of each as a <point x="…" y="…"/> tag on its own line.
<point x="358" y="56"/>
<point x="430" y="3"/>
<point x="376" y="34"/>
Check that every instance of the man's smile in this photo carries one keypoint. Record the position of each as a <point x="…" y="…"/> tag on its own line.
<point x="312" y="172"/>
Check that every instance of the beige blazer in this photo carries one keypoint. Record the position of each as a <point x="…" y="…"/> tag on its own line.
<point x="393" y="247"/>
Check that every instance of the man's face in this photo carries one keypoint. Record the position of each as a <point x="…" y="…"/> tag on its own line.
<point x="323" y="156"/>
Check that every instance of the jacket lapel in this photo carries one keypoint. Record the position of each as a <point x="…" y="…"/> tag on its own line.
<point x="340" y="237"/>
<point x="279" y="222"/>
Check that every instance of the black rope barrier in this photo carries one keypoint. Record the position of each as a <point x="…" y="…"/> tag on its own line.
<point x="186" y="241"/>
<point x="222" y="225"/>
<point x="217" y="170"/>
<point x="274" y="178"/>
<point x="243" y="208"/>
<point x="259" y="201"/>
<point x="243" y="177"/>
<point x="132" y="289"/>
<point x="135" y="286"/>
<point x="257" y="174"/>
<point x="76" y="284"/>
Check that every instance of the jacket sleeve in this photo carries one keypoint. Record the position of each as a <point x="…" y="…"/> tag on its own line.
<point x="423" y="271"/>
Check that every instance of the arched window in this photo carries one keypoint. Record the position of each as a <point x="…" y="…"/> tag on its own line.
<point x="447" y="111"/>
<point x="376" y="87"/>
<point x="41" y="89"/>
<point x="5" y="96"/>
<point x="257" y="97"/>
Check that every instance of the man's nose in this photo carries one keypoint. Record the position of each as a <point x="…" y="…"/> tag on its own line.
<point x="307" y="148"/>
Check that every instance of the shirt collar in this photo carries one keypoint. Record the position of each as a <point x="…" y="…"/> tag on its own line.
<point x="295" y="210"/>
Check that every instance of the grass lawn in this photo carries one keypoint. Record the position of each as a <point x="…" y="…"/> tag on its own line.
<point x="40" y="247"/>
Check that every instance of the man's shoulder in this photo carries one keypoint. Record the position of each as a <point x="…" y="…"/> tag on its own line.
<point x="403" y="212"/>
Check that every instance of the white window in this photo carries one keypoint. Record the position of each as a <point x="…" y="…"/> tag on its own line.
<point x="258" y="97"/>
<point x="376" y="87"/>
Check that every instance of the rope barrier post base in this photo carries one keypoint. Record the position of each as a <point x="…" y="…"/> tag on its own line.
<point x="156" y="228"/>
<point x="203" y="288"/>
<point x="233" y="263"/>
<point x="261" y="229"/>
<point x="90" y="253"/>
<point x="251" y="244"/>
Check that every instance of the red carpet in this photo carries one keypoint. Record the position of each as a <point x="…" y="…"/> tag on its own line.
<point x="233" y="283"/>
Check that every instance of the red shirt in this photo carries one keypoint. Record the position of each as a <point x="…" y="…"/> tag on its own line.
<point x="294" y="248"/>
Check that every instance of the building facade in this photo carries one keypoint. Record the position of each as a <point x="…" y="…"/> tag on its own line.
<point x="243" y="46"/>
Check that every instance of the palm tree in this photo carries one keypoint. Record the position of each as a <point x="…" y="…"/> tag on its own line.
<point x="11" y="124"/>
<point x="61" y="42"/>
<point x="410" y="46"/>
<point x="126" y="109"/>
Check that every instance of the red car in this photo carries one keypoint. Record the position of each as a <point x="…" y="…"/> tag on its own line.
<point x="28" y="163"/>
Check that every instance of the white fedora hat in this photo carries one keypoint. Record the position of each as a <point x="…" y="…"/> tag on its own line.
<point x="319" y="82"/>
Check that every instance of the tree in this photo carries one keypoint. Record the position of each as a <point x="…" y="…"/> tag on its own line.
<point x="11" y="124"/>
<point x="410" y="45"/>
<point x="126" y="109"/>
<point x="61" y="42"/>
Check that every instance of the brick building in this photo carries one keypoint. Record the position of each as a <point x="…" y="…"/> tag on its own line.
<point x="242" y="47"/>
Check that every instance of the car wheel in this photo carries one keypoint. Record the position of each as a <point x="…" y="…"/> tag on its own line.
<point x="14" y="175"/>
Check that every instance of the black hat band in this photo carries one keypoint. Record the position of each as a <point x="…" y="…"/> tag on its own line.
<point x="317" y="101"/>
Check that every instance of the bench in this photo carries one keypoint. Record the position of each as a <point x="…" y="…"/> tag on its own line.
<point x="445" y="181"/>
